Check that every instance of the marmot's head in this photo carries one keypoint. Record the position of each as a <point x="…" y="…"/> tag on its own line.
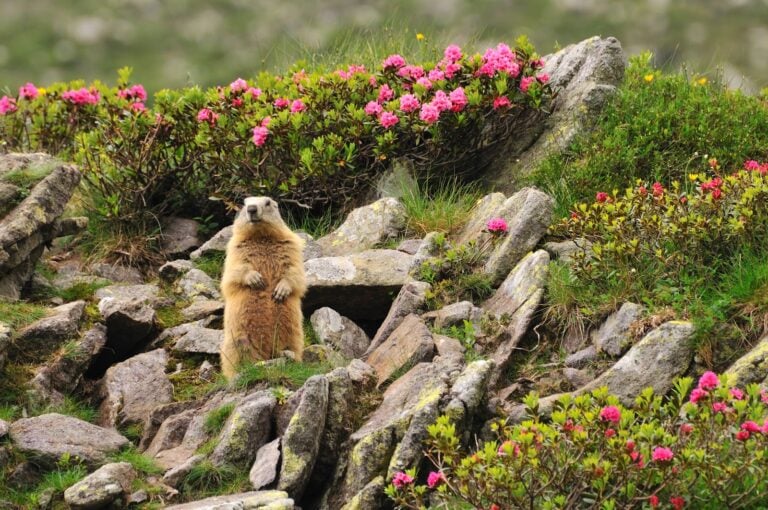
<point x="259" y="213"/>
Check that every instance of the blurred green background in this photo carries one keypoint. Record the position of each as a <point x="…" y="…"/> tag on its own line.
<point x="175" y="42"/>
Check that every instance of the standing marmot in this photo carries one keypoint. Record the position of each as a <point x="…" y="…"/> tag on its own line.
<point x="262" y="286"/>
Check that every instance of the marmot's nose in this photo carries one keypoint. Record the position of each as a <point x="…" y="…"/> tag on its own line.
<point x="253" y="210"/>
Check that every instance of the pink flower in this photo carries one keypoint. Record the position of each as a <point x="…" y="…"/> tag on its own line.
<point x="424" y="82"/>
<point x="412" y="72"/>
<point x="388" y="119"/>
<point x="500" y="102"/>
<point x="237" y="102"/>
<point x="662" y="454"/>
<point x="458" y="99"/>
<point x="508" y="447"/>
<point x="429" y="113"/>
<point x="260" y="134"/>
<point x="658" y="190"/>
<point x="7" y="105"/>
<point x="81" y="96"/>
<point x="28" y="91"/>
<point x="452" y="53"/>
<point x="742" y="435"/>
<point x="435" y="478"/>
<point x="206" y="115"/>
<point x="401" y="479"/>
<point x="630" y="445"/>
<point x="751" y="165"/>
<point x="708" y="380"/>
<point x="441" y="101"/>
<point x="409" y="103"/>
<point x="394" y="61"/>
<point x="253" y="92"/>
<point x="436" y="75"/>
<point x="265" y="121"/>
<point x="451" y="70"/>
<point x="697" y="394"/>
<point x="239" y="85"/>
<point x="610" y="433"/>
<point x="611" y="414"/>
<point x="537" y="64"/>
<point x="751" y="426"/>
<point x="737" y="393"/>
<point x="373" y="108"/>
<point x="138" y="107"/>
<point x="543" y="78"/>
<point x="525" y="83"/>
<point x="686" y="428"/>
<point x="719" y="407"/>
<point x="601" y="196"/>
<point x="677" y="502"/>
<point x="499" y="60"/>
<point x="764" y="428"/>
<point x="297" y="106"/>
<point x="653" y="501"/>
<point x="497" y="226"/>
<point x="385" y="93"/>
<point x="281" y="102"/>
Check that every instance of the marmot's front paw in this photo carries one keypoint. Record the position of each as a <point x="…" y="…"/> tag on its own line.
<point x="282" y="289"/>
<point x="254" y="279"/>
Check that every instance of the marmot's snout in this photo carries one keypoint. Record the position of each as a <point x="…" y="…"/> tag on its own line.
<point x="253" y="212"/>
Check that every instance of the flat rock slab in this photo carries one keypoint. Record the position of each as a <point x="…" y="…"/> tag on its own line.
<point x="245" y="500"/>
<point x="365" y="227"/>
<point x="214" y="245"/>
<point x="340" y="333"/>
<point x="102" y="487"/>
<point x="359" y="286"/>
<point x="264" y="469"/>
<point x="409" y="344"/>
<point x="410" y="300"/>
<point x="147" y="294"/>
<point x="199" y="339"/>
<point x="49" y="436"/>
<point x="48" y="332"/>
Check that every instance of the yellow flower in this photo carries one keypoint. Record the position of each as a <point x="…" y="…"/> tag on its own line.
<point x="649" y="77"/>
<point x="419" y="36"/>
<point x="41" y="91"/>
<point x="702" y="81"/>
<point x="693" y="177"/>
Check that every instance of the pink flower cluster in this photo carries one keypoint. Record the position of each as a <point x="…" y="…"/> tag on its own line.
<point x="297" y="105"/>
<point x="239" y="85"/>
<point x="435" y="478"/>
<point x="351" y="71"/>
<point x="135" y="93"/>
<point x="497" y="226"/>
<point x="81" y="96"/>
<point x="7" y="105"/>
<point x="611" y="414"/>
<point x="754" y="166"/>
<point x="499" y="60"/>
<point x="401" y="479"/>
<point x="394" y="62"/>
<point x="28" y="91"/>
<point x="207" y="115"/>
<point x="662" y="454"/>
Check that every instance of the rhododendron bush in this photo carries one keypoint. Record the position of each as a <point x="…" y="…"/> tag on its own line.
<point x="310" y="138"/>
<point x="704" y="447"/>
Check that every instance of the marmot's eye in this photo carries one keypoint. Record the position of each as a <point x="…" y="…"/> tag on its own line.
<point x="268" y="204"/>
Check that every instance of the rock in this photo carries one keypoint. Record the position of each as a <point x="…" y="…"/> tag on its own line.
<point x="312" y="250"/>
<point x="485" y="209"/>
<point x="577" y="378"/>
<point x="49" y="332"/>
<point x="301" y="441"/>
<point x="264" y="470"/>
<point x="116" y="273"/>
<point x="342" y="334"/>
<point x="613" y="337"/>
<point x="455" y="314"/>
<point x="69" y="275"/>
<point x="358" y="286"/>
<point x="582" y="358"/>
<point x="206" y="371"/>
<point x="528" y="214"/>
<point x="215" y="245"/>
<point x="655" y="361"/>
<point x="365" y="227"/>
<point x="468" y="392"/>
<point x="173" y="270"/>
<point x="321" y="353"/>
<point x="49" y="436"/>
<point x="243" y="501"/>
<point x="448" y="347"/>
<point x="174" y="476"/>
<point x="146" y="294"/>
<point x="196" y="284"/>
<point x="409" y="344"/>
<point x="410" y="300"/>
<point x="102" y="487"/>
<point x="33" y="224"/>
<point x="4" y="428"/>
<point x="64" y="373"/>
<point x="202" y="309"/>
<point x="564" y="251"/>
<point x="25" y="474"/>
<point x="585" y="75"/>
<point x="200" y="340"/>
<point x="160" y="415"/>
<point x="138" y="497"/>
<point x="410" y="246"/>
<point x="179" y="236"/>
<point x="130" y="325"/>
<point x="517" y="299"/>
<point x="361" y="373"/>
<point x="5" y="343"/>
<point x="371" y="496"/>
<point x="171" y="432"/>
<point x="246" y="430"/>
<point x="750" y="368"/>
<point x="430" y="247"/>
<point x="133" y="388"/>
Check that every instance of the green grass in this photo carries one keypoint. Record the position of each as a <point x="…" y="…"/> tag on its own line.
<point x="170" y="316"/>
<point x="212" y="264"/>
<point x="81" y="291"/>
<point x="17" y="314"/>
<point x="27" y="177"/>
<point x="289" y="373"/>
<point x="140" y="462"/>
<point x="206" y="480"/>
<point x="439" y="205"/>
<point x="57" y="481"/>
<point x="316" y="225"/>
<point x="215" y="420"/>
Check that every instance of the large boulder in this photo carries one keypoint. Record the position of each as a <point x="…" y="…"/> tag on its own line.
<point x="246" y="430"/>
<point x="179" y="236"/>
<point x="35" y="222"/>
<point x="47" y="333"/>
<point x="358" y="286"/>
<point x="133" y="388"/>
<point x="342" y="334"/>
<point x="102" y="487"/>
<point x="196" y="284"/>
<point x="130" y="325"/>
<point x="215" y="245"/>
<point x="410" y="300"/>
<point x="49" y="436"/>
<point x="752" y="367"/>
<point x="272" y="500"/>
<point x="409" y="344"/>
<point x="198" y="339"/>
<point x="613" y="336"/>
<point x="365" y="228"/>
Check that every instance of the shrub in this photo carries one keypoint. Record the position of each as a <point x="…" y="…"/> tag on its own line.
<point x="309" y="138"/>
<point x="707" y="452"/>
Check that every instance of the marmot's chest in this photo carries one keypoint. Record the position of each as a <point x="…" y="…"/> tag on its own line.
<point x="270" y="257"/>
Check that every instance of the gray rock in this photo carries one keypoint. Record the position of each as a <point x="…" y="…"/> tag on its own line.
<point x="203" y="308"/>
<point x="171" y="432"/>
<point x="64" y="373"/>
<point x="174" y="476"/>
<point x="179" y="236"/>
<point x="173" y="270"/>
<point x="454" y="314"/>
<point x="447" y="346"/>
<point x="49" y="436"/>
<point x="301" y="441"/>
<point x="133" y="388"/>
<point x="247" y="429"/>
<point x="264" y="469"/>
<point x="312" y="250"/>
<point x="486" y="208"/>
<point x="5" y="343"/>
<point x="662" y="355"/>
<point x="365" y="227"/>
<point x="410" y="300"/>
<point x="410" y="246"/>
<point x="409" y="344"/>
<point x="200" y="340"/>
<point x="146" y="294"/>
<point x="321" y="353"/>
<point x="214" y="245"/>
<point x="243" y="501"/>
<point x="49" y="332"/>
<point x="576" y="377"/>
<point x="159" y="415"/>
<point x="116" y="273"/>
<point x="613" y="337"/>
<point x="102" y="487"/>
<point x="206" y="371"/>
<point x="582" y="358"/>
<point x="468" y="392"/>
<point x="371" y="496"/>
<point x="359" y="286"/>
<point x="528" y="214"/>
<point x="430" y="247"/>
<point x="196" y="284"/>
<point x="4" y="428"/>
<point x="129" y="326"/>
<point x="750" y="368"/>
<point x="516" y="299"/>
<point x="34" y="223"/>
<point x="138" y="497"/>
<point x="342" y="334"/>
<point x="564" y="251"/>
<point x="361" y="373"/>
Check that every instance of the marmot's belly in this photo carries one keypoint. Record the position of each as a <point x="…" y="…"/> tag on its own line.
<point x="259" y="318"/>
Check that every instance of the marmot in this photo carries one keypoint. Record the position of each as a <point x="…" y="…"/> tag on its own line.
<point x="262" y="287"/>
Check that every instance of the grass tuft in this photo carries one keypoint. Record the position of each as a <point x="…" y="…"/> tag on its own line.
<point x="215" y="420"/>
<point x="288" y="373"/>
<point x="206" y="480"/>
<point x="140" y="462"/>
<point x="212" y="264"/>
<point x="437" y="206"/>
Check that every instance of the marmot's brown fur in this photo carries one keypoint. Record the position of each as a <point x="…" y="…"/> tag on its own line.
<point x="262" y="287"/>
